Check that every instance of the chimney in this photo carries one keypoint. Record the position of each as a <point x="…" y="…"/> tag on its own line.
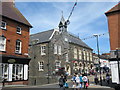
<point x="12" y="2"/>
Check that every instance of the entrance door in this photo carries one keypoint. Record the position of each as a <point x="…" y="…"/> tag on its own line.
<point x="68" y="69"/>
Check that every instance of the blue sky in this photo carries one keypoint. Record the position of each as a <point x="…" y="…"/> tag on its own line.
<point x="87" y="19"/>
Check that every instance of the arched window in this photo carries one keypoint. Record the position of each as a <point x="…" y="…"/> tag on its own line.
<point x="18" y="46"/>
<point x="2" y="43"/>
<point x="80" y="64"/>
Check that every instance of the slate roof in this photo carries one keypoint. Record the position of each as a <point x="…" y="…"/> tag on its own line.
<point x="10" y="11"/>
<point x="116" y="8"/>
<point x="44" y="37"/>
<point x="76" y="40"/>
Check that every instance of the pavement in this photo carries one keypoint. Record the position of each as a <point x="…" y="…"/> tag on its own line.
<point x="55" y="86"/>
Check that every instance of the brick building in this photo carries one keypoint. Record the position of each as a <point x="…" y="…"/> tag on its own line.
<point x="55" y="49"/>
<point x="113" y="16"/>
<point x="14" y="40"/>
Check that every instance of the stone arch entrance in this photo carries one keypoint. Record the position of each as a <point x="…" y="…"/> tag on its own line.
<point x="68" y="69"/>
<point x="80" y="67"/>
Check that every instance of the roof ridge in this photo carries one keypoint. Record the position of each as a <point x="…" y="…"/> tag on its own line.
<point x="42" y="32"/>
<point x="112" y="9"/>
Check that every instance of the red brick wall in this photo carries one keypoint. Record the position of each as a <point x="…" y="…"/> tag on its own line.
<point x="114" y="30"/>
<point x="12" y="36"/>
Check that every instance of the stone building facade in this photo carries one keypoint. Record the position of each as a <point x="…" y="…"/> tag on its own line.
<point x="14" y="41"/>
<point x="54" y="50"/>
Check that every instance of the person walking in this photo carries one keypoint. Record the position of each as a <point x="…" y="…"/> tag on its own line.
<point x="61" y="81"/>
<point x="74" y="81"/>
<point x="81" y="81"/>
<point x="96" y="79"/>
<point x="107" y="78"/>
<point x="77" y="81"/>
<point x="85" y="80"/>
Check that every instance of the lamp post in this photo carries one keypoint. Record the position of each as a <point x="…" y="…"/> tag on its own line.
<point x="96" y="35"/>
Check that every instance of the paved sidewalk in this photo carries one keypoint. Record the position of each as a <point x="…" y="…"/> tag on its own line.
<point x="54" y="85"/>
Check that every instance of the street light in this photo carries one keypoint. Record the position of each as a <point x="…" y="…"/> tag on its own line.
<point x="96" y="35"/>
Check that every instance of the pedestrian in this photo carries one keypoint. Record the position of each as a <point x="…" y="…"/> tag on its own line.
<point x="107" y="78"/>
<point x="86" y="81"/>
<point x="103" y="78"/>
<point x="61" y="81"/>
<point x="81" y="81"/>
<point x="66" y="85"/>
<point x="73" y="78"/>
<point x="74" y="84"/>
<point x="77" y="81"/>
<point x="96" y="79"/>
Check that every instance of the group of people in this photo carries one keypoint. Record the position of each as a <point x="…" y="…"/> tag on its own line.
<point x="79" y="81"/>
<point x="107" y="79"/>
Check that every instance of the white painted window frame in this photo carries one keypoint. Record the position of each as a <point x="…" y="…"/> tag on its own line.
<point x="75" y="53"/>
<point x="55" y="49"/>
<point x="43" y="49"/>
<point x="57" y="64"/>
<point x="3" y="43"/>
<point x="41" y="66"/>
<point x="18" y="51"/>
<point x="4" y="25"/>
<point x="67" y="58"/>
<point x="19" y="30"/>
<point x="59" y="50"/>
<point x="80" y="54"/>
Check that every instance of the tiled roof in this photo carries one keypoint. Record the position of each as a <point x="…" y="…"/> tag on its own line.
<point x="44" y="37"/>
<point x="115" y="8"/>
<point x="10" y="11"/>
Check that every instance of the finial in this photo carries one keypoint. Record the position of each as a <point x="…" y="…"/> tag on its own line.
<point x="62" y="13"/>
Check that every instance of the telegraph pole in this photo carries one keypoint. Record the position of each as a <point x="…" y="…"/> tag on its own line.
<point x="96" y="35"/>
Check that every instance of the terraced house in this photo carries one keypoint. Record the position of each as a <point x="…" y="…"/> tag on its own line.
<point x="14" y="40"/>
<point x="56" y="49"/>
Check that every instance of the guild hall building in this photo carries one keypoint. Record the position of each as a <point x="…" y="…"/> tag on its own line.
<point x="54" y="49"/>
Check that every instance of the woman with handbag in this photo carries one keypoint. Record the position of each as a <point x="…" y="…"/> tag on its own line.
<point x="85" y="81"/>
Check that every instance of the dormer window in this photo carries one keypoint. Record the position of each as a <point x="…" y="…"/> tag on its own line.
<point x="3" y="25"/>
<point x="18" y="30"/>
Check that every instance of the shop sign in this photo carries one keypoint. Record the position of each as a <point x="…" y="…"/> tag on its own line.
<point x="11" y="60"/>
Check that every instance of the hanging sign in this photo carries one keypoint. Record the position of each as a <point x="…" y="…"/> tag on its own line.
<point x="11" y="60"/>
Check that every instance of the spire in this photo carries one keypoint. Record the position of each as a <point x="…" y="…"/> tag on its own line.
<point x="62" y="25"/>
<point x="62" y="19"/>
